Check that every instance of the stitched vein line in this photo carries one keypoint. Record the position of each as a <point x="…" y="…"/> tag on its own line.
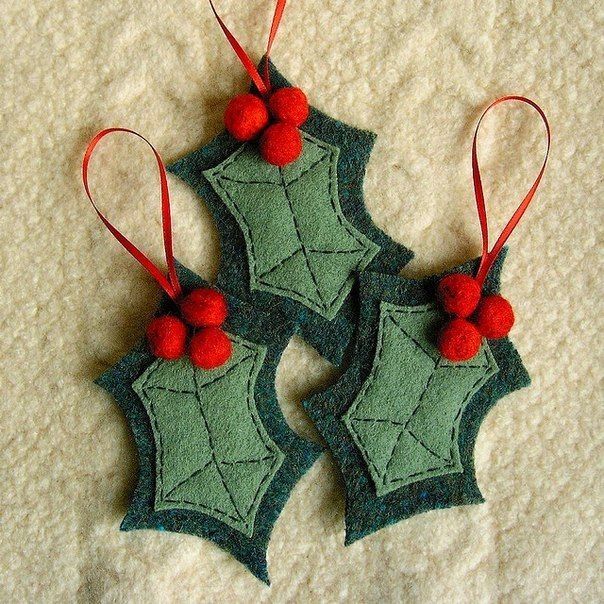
<point x="361" y="240"/>
<point x="219" y="377"/>
<point x="419" y="441"/>
<point x="421" y="398"/>
<point x="168" y="389"/>
<point x="250" y="399"/>
<point x="377" y="420"/>
<point x="248" y="182"/>
<point x="238" y="461"/>
<point x="212" y="450"/>
<point x="299" y="235"/>
<point x="400" y="436"/>
<point x="328" y="252"/>
<point x="305" y="172"/>
<point x="279" y="264"/>
<point x="440" y="468"/>
<point x="198" y="471"/>
<point x="448" y="463"/>
<point x="252" y="253"/>
<point x="418" y="344"/>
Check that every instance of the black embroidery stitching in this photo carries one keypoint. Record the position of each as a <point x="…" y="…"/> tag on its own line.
<point x="168" y="389"/>
<point x="211" y="443"/>
<point x="400" y="436"/>
<point x="218" y="176"/>
<point x="180" y="483"/>
<point x="252" y="260"/>
<point x="249" y="182"/>
<point x="238" y="461"/>
<point x="277" y="454"/>
<point x="299" y="235"/>
<point x="448" y="463"/>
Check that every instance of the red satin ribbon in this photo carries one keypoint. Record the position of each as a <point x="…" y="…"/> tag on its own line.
<point x="263" y="85"/>
<point x="489" y="257"/>
<point x="169" y="283"/>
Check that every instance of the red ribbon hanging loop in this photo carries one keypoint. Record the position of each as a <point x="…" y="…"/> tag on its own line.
<point x="169" y="284"/>
<point x="263" y="85"/>
<point x="489" y="257"/>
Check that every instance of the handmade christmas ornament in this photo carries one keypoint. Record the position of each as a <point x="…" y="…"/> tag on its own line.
<point x="216" y="457"/>
<point x="431" y="359"/>
<point x="284" y="183"/>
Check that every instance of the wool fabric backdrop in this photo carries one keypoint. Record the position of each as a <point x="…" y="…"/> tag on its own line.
<point x="418" y="73"/>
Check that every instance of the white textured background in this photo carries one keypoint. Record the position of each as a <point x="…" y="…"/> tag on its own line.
<point x="416" y="72"/>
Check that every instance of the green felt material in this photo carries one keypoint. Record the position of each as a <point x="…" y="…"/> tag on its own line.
<point x="405" y="419"/>
<point x="264" y="335"/>
<point x="212" y="451"/>
<point x="368" y="510"/>
<point x="326" y="322"/>
<point x="299" y="244"/>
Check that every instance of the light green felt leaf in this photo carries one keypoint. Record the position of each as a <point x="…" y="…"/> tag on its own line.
<point x="405" y="419"/>
<point x="299" y="243"/>
<point x="213" y="454"/>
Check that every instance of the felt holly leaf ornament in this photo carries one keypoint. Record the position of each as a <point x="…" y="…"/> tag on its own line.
<point x="293" y="226"/>
<point x="403" y="419"/>
<point x="216" y="457"/>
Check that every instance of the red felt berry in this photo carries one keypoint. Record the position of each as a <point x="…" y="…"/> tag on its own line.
<point x="494" y="317"/>
<point x="245" y="117"/>
<point x="204" y="307"/>
<point x="281" y="144"/>
<point x="458" y="294"/>
<point x="459" y="340"/>
<point x="210" y="348"/>
<point x="167" y="337"/>
<point x="289" y="105"/>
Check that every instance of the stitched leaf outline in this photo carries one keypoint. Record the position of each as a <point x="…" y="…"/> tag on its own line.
<point x="213" y="454"/>
<point x="405" y="419"/>
<point x="299" y="243"/>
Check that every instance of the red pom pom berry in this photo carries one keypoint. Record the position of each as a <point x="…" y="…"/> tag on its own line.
<point x="281" y="144"/>
<point x="245" y="117"/>
<point x="494" y="317"/>
<point x="210" y="348"/>
<point x="459" y="340"/>
<point x="204" y="307"/>
<point x="167" y="337"/>
<point x="289" y="105"/>
<point x="458" y="294"/>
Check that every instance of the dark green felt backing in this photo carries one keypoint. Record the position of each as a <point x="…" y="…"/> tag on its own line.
<point x="332" y="336"/>
<point x="271" y="331"/>
<point x="366" y="511"/>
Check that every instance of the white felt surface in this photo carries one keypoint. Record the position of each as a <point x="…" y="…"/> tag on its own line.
<point x="418" y="74"/>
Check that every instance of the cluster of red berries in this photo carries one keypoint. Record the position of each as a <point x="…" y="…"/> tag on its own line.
<point x="492" y="317"/>
<point x="247" y="117"/>
<point x="205" y="310"/>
